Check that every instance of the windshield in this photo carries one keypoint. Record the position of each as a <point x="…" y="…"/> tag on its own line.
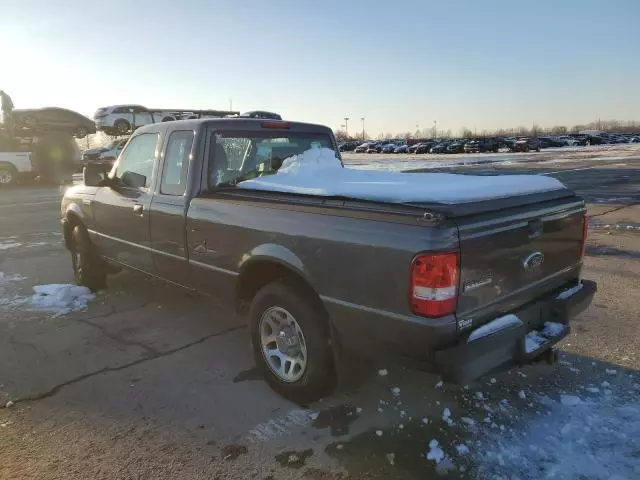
<point x="238" y="156"/>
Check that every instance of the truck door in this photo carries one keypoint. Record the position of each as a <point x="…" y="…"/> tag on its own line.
<point x="121" y="211"/>
<point x="169" y="209"/>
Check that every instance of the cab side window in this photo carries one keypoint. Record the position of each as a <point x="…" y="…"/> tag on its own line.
<point x="176" y="163"/>
<point x="135" y="164"/>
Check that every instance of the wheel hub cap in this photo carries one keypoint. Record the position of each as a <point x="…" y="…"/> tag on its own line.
<point x="287" y="341"/>
<point x="283" y="344"/>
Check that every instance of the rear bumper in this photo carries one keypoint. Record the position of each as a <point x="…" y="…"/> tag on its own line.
<point x="508" y="345"/>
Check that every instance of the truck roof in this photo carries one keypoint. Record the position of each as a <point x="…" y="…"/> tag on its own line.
<point x="235" y="123"/>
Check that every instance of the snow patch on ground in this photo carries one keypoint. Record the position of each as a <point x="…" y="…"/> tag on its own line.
<point x="58" y="299"/>
<point x="8" y="245"/>
<point x="577" y="439"/>
<point x="435" y="453"/>
<point x="6" y="278"/>
<point x="319" y="172"/>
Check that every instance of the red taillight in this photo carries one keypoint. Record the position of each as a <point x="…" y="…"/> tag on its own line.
<point x="583" y="242"/>
<point x="275" y="124"/>
<point x="434" y="284"/>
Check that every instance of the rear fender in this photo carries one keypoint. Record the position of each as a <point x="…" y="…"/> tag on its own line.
<point x="274" y="253"/>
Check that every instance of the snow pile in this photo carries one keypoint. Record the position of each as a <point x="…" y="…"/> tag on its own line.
<point x="59" y="299"/>
<point x="535" y="339"/>
<point x="577" y="439"/>
<point x="493" y="326"/>
<point x="319" y="172"/>
<point x="446" y="417"/>
<point x="435" y="453"/>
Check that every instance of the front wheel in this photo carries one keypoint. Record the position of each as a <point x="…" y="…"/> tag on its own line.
<point x="88" y="269"/>
<point x="290" y="343"/>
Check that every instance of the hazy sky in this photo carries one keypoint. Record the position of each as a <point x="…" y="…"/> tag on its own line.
<point x="401" y="63"/>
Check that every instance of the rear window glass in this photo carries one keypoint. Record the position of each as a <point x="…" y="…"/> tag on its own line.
<point x="239" y="156"/>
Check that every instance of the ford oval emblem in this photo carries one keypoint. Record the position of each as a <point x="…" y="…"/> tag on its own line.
<point x="533" y="261"/>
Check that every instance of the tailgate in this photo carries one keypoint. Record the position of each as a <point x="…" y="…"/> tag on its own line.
<point x="510" y="257"/>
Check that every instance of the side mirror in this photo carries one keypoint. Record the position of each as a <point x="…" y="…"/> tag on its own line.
<point x="94" y="175"/>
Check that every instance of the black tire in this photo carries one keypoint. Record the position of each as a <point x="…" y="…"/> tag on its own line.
<point x="8" y="175"/>
<point x="319" y="375"/>
<point x="122" y="127"/>
<point x="88" y="269"/>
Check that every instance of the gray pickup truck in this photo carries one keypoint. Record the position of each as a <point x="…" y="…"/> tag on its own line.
<point x="463" y="289"/>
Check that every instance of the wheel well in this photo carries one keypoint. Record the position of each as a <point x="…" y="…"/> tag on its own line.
<point x="71" y="221"/>
<point x="262" y="273"/>
<point x="8" y="164"/>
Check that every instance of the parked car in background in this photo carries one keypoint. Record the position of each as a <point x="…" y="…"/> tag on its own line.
<point x="15" y="163"/>
<point x="424" y="147"/>
<point x="401" y="149"/>
<point x="455" y="147"/>
<point x="122" y="119"/>
<point x="439" y="148"/>
<point x="348" y="146"/>
<point x="374" y="148"/>
<point x="54" y="119"/>
<point x="362" y="148"/>
<point x="481" y="145"/>
<point x="526" y="144"/>
<point x="388" y="148"/>
<point x="549" y="142"/>
<point x="414" y="147"/>
<point x="567" y="141"/>
<point x="105" y="155"/>
<point x="585" y="140"/>
<point x="261" y="114"/>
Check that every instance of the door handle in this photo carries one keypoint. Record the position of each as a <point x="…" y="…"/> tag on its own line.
<point x="138" y="209"/>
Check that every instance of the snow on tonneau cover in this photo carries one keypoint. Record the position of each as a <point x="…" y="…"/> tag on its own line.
<point x="503" y="251"/>
<point x="319" y="172"/>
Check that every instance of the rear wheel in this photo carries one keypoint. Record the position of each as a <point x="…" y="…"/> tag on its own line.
<point x="88" y="268"/>
<point x="8" y="175"/>
<point x="122" y="126"/>
<point x="290" y="342"/>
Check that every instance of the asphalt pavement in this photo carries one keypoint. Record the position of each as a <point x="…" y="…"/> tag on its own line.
<point x="152" y="382"/>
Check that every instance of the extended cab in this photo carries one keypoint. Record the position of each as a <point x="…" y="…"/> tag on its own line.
<point x="463" y="288"/>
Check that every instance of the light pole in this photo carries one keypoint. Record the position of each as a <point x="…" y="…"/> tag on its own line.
<point x="346" y="126"/>
<point x="362" y="118"/>
<point x="435" y="129"/>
